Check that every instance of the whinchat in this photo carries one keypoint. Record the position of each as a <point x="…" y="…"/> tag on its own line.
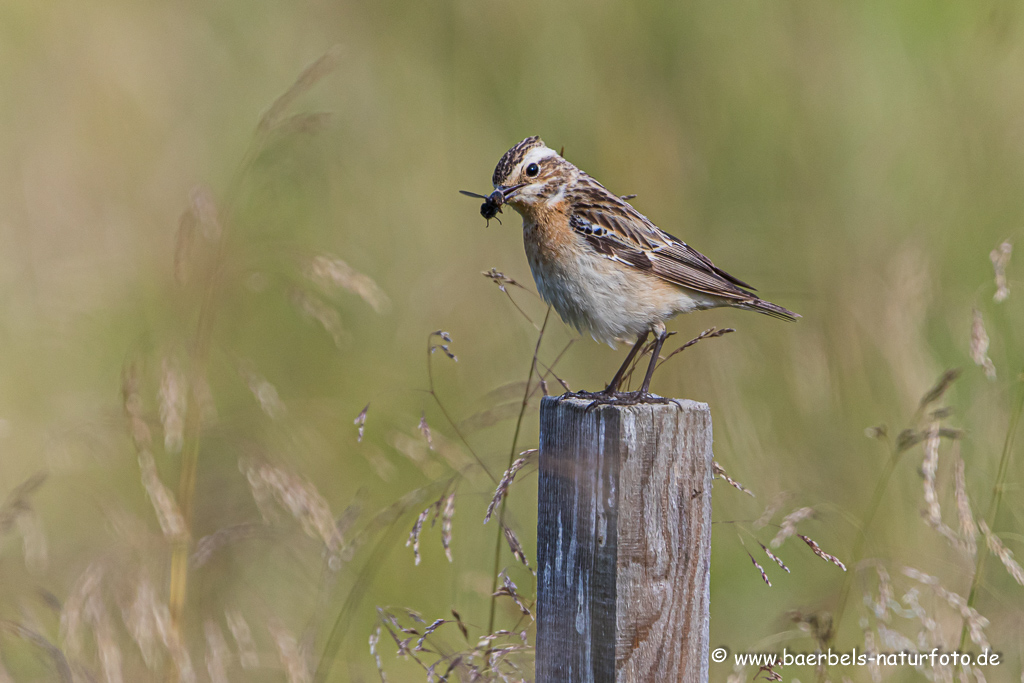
<point x="601" y="264"/>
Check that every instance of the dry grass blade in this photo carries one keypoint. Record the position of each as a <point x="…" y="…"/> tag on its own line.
<point x="331" y="273"/>
<point x="434" y="625"/>
<point x="217" y="652"/>
<point x="907" y="439"/>
<point x="769" y="511"/>
<point x="306" y="80"/>
<point x="306" y="124"/>
<point x="709" y="333"/>
<point x="173" y="643"/>
<point x="968" y="529"/>
<point x="885" y="594"/>
<point x="183" y="243"/>
<point x="1004" y="554"/>
<point x="444" y="348"/>
<point x="504" y="393"/>
<point x="895" y="640"/>
<point x="140" y="620"/>
<point x="772" y="555"/>
<point x="201" y="217"/>
<point x="975" y="622"/>
<point x="72" y="616"/>
<point x="911" y="599"/>
<point x="414" y="535"/>
<point x="503" y="281"/>
<point x="374" y="640"/>
<point x="760" y="569"/>
<point x="418" y="451"/>
<point x="133" y="409"/>
<point x="516" y="547"/>
<point x="788" y="526"/>
<point x="1000" y="258"/>
<point x="940" y="388"/>
<point x="877" y="432"/>
<point x="60" y="662"/>
<point x="208" y="545"/>
<point x="96" y="614"/>
<point x="173" y="402"/>
<point x="292" y="658"/>
<point x="719" y="471"/>
<point x="929" y="468"/>
<point x="425" y="431"/>
<point x="298" y="496"/>
<point x="500" y="279"/>
<point x="490" y="416"/>
<point x="315" y="308"/>
<point x="265" y="393"/>
<point x="17" y="501"/>
<point x="446" y="524"/>
<point x="242" y="635"/>
<point x="821" y="553"/>
<point x="506" y="481"/>
<point x="511" y="590"/>
<point x="168" y="514"/>
<point x="360" y="422"/>
<point x="207" y="216"/>
<point x="33" y="540"/>
<point x="461" y="624"/>
<point x="979" y="345"/>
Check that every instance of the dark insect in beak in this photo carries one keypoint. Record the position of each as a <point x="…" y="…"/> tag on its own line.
<point x="491" y="206"/>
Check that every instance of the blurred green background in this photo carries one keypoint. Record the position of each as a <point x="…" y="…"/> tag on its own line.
<point x="856" y="161"/>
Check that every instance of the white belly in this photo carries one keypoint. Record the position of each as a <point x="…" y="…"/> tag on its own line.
<point x="608" y="300"/>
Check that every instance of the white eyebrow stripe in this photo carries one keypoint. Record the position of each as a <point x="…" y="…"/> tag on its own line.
<point x="538" y="154"/>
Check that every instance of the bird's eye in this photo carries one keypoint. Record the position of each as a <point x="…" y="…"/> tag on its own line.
<point x="532" y="170"/>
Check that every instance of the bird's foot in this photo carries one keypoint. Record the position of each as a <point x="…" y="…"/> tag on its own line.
<point x="584" y="394"/>
<point x="618" y="398"/>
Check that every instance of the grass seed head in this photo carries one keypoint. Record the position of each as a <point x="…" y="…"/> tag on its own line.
<point x="239" y="627"/>
<point x="979" y="345"/>
<point x="1000" y="257"/>
<point x="217" y="653"/>
<point x="788" y="526"/>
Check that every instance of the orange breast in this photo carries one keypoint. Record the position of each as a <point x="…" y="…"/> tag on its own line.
<point x="547" y="235"/>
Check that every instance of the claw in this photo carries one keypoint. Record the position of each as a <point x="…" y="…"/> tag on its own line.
<point x="618" y="398"/>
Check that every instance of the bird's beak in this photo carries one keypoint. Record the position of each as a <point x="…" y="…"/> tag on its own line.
<point x="505" y="193"/>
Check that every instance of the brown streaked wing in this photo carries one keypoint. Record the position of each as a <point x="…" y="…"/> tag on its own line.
<point x="619" y="251"/>
<point x="594" y="203"/>
<point x="681" y="251"/>
<point x="684" y="273"/>
<point x="631" y="236"/>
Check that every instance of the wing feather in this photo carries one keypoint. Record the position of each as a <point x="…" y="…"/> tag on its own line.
<point x="618" y="231"/>
<point x="613" y="228"/>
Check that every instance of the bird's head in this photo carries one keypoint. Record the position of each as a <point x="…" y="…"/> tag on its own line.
<point x="530" y="176"/>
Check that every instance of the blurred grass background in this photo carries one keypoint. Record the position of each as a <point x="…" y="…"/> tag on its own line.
<point x="855" y="161"/>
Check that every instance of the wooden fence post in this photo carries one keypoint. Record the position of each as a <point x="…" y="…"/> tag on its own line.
<point x="623" y="542"/>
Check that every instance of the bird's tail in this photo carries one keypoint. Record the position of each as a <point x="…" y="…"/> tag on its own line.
<point x="768" y="308"/>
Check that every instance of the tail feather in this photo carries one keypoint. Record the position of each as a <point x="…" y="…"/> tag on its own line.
<point x="768" y="308"/>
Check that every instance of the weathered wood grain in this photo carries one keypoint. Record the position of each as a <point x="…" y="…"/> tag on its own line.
<point x="624" y="542"/>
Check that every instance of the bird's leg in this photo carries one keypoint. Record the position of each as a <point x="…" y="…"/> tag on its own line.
<point x="611" y="391"/>
<point x="659" y="341"/>
<point x="611" y="397"/>
<point x="613" y="386"/>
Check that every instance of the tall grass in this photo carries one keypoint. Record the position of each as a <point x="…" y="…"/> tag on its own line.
<point x="204" y="283"/>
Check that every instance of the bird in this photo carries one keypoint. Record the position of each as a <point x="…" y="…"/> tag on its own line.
<point x="605" y="268"/>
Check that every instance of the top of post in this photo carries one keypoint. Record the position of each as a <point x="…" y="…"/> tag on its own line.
<point x="684" y="405"/>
